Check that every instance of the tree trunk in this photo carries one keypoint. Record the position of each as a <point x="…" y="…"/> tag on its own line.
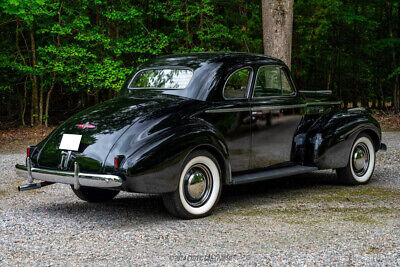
<point x="53" y="80"/>
<point x="23" y="104"/>
<point x="46" y="122"/>
<point x="35" y="102"/>
<point x="277" y="21"/>
<point x="396" y="100"/>
<point x="396" y="91"/>
<point x="41" y="103"/>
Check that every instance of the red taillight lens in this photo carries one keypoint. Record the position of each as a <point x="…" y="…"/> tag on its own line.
<point x="30" y="150"/>
<point x="117" y="161"/>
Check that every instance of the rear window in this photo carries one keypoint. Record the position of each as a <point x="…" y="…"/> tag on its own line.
<point x="165" y="79"/>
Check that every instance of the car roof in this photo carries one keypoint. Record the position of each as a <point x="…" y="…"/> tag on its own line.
<point x="210" y="70"/>
<point x="197" y="60"/>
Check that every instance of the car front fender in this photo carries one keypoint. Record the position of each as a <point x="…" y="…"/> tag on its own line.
<point x="330" y="139"/>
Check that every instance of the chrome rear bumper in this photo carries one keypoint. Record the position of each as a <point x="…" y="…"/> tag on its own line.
<point x="75" y="178"/>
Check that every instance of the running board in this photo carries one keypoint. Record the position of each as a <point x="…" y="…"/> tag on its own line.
<point x="271" y="174"/>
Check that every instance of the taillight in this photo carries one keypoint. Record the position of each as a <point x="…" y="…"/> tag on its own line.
<point x="29" y="151"/>
<point x="117" y="161"/>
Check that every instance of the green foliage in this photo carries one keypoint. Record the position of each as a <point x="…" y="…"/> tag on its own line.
<point x="350" y="47"/>
<point x="87" y="48"/>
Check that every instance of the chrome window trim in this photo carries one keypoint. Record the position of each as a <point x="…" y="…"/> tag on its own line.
<point x="289" y="81"/>
<point x="248" y="84"/>
<point x="269" y="97"/>
<point x="159" y="68"/>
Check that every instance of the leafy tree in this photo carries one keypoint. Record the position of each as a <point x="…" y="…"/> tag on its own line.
<point x="58" y="57"/>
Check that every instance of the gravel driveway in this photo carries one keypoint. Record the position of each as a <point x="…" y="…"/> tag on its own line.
<point x="307" y="219"/>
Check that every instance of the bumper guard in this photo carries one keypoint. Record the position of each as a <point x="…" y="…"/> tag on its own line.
<point x="75" y="178"/>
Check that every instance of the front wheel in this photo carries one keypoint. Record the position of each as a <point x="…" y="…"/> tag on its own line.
<point x="199" y="187"/>
<point x="361" y="162"/>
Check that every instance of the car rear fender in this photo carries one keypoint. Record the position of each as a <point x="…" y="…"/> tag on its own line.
<point x="155" y="167"/>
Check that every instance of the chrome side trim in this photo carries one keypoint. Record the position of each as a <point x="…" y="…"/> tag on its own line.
<point x="356" y="109"/>
<point x="257" y="108"/>
<point x="262" y="108"/>
<point x="324" y="103"/>
<point x="66" y="177"/>
<point x="265" y="108"/>
<point x="328" y="92"/>
<point x="223" y="110"/>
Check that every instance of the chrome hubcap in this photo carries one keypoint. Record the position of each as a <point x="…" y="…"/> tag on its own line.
<point x="360" y="159"/>
<point x="197" y="185"/>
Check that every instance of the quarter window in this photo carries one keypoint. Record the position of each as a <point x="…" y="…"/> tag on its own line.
<point x="271" y="81"/>
<point x="237" y="83"/>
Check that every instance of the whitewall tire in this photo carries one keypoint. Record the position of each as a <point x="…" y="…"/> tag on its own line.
<point x="361" y="164"/>
<point x="199" y="187"/>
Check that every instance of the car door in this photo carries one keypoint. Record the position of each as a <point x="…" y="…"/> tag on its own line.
<point x="276" y="111"/>
<point x="232" y="117"/>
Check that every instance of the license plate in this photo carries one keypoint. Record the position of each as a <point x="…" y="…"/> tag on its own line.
<point x="70" y="142"/>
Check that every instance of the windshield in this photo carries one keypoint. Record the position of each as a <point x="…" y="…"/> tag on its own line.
<point x="165" y="79"/>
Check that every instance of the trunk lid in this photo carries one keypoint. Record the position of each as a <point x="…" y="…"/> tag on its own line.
<point x="111" y="119"/>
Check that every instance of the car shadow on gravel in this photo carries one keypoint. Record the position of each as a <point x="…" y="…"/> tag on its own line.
<point x="140" y="208"/>
<point x="121" y="210"/>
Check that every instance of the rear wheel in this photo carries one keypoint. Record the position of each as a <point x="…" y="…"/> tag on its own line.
<point x="199" y="187"/>
<point x="361" y="162"/>
<point x="93" y="194"/>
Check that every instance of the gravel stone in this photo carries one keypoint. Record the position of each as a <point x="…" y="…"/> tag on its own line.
<point x="302" y="220"/>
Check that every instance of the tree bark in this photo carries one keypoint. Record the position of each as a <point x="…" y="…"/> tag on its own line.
<point x="53" y="80"/>
<point x="23" y="105"/>
<point x="40" y="122"/>
<point x="396" y="89"/>
<point x="23" y="102"/>
<point x="277" y="21"/>
<point x="35" y="102"/>
<point x="46" y="122"/>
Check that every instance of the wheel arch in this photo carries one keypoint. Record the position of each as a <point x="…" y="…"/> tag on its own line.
<point x="223" y="161"/>
<point x="374" y="136"/>
<point x="330" y="140"/>
<point x="155" y="167"/>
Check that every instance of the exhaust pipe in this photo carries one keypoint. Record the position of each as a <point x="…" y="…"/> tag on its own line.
<point x="33" y="186"/>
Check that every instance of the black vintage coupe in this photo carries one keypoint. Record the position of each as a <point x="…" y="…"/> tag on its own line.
<point x="185" y="125"/>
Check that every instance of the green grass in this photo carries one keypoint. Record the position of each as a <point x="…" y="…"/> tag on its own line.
<point x="358" y="204"/>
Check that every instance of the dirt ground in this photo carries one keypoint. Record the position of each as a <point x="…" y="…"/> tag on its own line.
<point x="301" y="220"/>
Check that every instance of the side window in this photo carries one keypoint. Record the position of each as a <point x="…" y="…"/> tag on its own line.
<point x="237" y="83"/>
<point x="286" y="88"/>
<point x="271" y="81"/>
